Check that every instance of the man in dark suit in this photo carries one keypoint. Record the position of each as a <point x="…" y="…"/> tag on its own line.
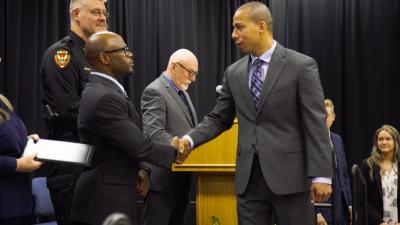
<point x="167" y="112"/>
<point x="283" y="153"/>
<point x="108" y="120"/>
<point x="341" y="201"/>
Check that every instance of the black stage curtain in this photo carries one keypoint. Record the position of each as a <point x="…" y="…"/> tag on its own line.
<point x="354" y="42"/>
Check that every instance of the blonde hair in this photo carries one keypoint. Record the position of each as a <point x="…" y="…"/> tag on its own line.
<point x="329" y="104"/>
<point x="375" y="157"/>
<point x="4" y="112"/>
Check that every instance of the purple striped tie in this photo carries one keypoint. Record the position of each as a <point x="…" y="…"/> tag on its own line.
<point x="256" y="82"/>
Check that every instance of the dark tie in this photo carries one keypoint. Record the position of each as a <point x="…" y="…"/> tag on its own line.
<point x="183" y="97"/>
<point x="256" y="82"/>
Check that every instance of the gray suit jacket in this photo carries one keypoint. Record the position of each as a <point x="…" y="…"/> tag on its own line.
<point x="165" y="115"/>
<point x="288" y="129"/>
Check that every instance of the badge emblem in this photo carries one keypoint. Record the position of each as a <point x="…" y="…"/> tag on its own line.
<point x="62" y="58"/>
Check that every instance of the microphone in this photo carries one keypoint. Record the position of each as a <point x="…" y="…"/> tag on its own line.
<point x="218" y="89"/>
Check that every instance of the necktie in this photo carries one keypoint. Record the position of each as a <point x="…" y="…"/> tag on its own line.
<point x="256" y="82"/>
<point x="183" y="97"/>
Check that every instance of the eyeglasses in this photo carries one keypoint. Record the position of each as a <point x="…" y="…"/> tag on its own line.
<point x="191" y="72"/>
<point x="98" y="12"/>
<point x="125" y="49"/>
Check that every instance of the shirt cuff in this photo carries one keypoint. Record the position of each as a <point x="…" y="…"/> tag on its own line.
<point x="323" y="180"/>
<point x="190" y="140"/>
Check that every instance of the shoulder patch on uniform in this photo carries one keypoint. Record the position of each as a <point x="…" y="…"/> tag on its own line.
<point x="62" y="58"/>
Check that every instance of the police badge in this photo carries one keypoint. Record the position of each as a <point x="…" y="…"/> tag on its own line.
<point x="62" y="58"/>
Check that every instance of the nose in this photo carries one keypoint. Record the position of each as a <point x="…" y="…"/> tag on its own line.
<point x="193" y="78"/>
<point x="234" y="34"/>
<point x="129" y="54"/>
<point x="103" y="17"/>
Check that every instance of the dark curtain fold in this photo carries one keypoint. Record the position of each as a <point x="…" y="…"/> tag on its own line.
<point x="354" y="42"/>
<point x="356" y="45"/>
<point x="154" y="29"/>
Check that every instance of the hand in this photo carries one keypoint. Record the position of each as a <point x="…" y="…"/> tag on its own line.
<point x="27" y="164"/>
<point x="34" y="137"/>
<point x="383" y="224"/>
<point x="321" y="220"/>
<point x="143" y="183"/>
<point x="183" y="149"/>
<point x="351" y="216"/>
<point x="320" y="192"/>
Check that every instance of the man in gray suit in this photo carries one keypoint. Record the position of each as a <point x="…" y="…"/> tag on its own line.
<point x="167" y="112"/>
<point x="283" y="154"/>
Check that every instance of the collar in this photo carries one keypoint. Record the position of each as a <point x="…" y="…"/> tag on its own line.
<point x="266" y="56"/>
<point x="168" y="78"/>
<point x="78" y="40"/>
<point x="109" y="78"/>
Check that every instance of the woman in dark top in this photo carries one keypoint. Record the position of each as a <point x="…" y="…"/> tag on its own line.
<point x="380" y="171"/>
<point x="15" y="185"/>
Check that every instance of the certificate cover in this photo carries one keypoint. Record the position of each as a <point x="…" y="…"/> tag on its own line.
<point x="60" y="151"/>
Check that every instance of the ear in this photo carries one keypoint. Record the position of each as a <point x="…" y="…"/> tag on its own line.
<point x="103" y="58"/>
<point x="74" y="14"/>
<point x="262" y="26"/>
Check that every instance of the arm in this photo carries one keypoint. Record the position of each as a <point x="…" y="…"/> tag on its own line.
<point x="313" y="113"/>
<point x="62" y="87"/>
<point x="154" y="116"/>
<point x="111" y="115"/>
<point x="374" y="214"/>
<point x="340" y="152"/>
<point x="316" y="137"/>
<point x="219" y="119"/>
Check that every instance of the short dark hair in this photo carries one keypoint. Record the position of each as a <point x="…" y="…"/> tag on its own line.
<point x="258" y="12"/>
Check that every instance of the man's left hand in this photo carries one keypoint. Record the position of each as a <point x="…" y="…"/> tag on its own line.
<point x="143" y="184"/>
<point x="320" y="192"/>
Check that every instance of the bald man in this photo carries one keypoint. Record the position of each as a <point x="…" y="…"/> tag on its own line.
<point x="167" y="111"/>
<point x="109" y="121"/>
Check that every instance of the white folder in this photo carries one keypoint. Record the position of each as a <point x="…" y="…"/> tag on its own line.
<point x="60" y="151"/>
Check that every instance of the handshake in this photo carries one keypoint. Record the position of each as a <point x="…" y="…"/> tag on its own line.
<point x="182" y="147"/>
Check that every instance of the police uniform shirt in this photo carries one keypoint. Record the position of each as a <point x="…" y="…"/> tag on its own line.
<point x="64" y="70"/>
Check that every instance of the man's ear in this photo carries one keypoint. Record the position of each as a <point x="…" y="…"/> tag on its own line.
<point x="74" y="14"/>
<point x="103" y="58"/>
<point x="262" y="26"/>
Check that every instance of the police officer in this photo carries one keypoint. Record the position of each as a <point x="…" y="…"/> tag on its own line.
<point x="64" y="70"/>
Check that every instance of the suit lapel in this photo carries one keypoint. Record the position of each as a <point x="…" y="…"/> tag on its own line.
<point x="274" y="69"/>
<point x="176" y="97"/>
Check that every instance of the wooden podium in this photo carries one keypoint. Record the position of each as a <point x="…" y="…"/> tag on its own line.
<point x="214" y="166"/>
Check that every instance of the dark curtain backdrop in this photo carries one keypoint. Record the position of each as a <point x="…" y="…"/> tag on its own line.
<point x="354" y="42"/>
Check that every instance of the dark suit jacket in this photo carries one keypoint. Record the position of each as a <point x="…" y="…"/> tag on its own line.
<point x="288" y="130"/>
<point x="374" y="193"/>
<point x="108" y="120"/>
<point x="165" y="115"/>
<point x="341" y="186"/>
<point x="15" y="187"/>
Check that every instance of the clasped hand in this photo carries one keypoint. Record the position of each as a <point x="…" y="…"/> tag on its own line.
<point x="182" y="147"/>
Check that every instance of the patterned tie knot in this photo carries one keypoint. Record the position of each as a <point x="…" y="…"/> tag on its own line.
<point x="257" y="63"/>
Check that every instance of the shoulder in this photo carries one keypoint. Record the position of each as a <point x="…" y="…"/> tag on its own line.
<point x="292" y="56"/>
<point x="65" y="43"/>
<point x="242" y="62"/>
<point x="156" y="87"/>
<point x="335" y="136"/>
